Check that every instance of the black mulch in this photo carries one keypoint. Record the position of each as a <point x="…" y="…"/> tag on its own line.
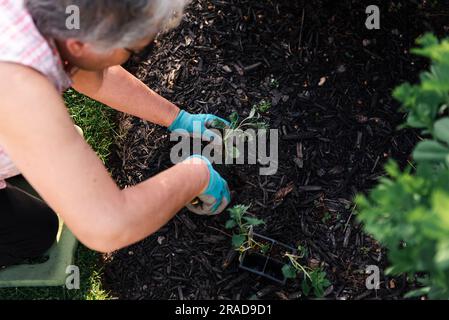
<point x="337" y="120"/>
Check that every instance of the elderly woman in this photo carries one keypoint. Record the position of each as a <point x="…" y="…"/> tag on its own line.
<point x="40" y="56"/>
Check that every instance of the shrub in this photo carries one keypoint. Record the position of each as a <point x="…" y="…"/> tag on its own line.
<point x="408" y="212"/>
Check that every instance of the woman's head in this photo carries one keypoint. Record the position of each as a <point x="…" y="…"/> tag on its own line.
<point x="109" y="29"/>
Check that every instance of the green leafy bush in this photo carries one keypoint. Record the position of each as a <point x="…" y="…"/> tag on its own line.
<point x="408" y="212"/>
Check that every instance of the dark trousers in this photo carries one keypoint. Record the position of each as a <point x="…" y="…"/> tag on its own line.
<point x="28" y="226"/>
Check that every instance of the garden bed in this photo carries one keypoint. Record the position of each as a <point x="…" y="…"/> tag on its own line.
<point x="329" y="82"/>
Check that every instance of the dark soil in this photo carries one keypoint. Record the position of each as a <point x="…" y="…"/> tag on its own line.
<point x="337" y="119"/>
<point x="278" y="252"/>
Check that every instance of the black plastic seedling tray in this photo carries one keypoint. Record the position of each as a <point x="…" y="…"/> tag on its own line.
<point x="266" y="265"/>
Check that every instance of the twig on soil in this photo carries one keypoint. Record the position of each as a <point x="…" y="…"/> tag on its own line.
<point x="221" y="231"/>
<point x="300" y="33"/>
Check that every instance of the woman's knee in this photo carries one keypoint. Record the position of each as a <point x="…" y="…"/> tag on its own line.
<point x="49" y="225"/>
<point x="31" y="226"/>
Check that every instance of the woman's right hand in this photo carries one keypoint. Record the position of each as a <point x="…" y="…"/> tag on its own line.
<point x="215" y="197"/>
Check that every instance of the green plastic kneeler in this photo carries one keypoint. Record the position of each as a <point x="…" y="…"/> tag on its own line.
<point x="53" y="271"/>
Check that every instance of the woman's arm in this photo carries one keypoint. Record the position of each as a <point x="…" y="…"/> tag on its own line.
<point x="40" y="138"/>
<point x="118" y="89"/>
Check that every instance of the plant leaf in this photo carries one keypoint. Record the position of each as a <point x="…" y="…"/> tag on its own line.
<point x="305" y="287"/>
<point x="234" y="117"/>
<point x="441" y="129"/>
<point x="417" y="293"/>
<point x="252" y="113"/>
<point x="238" y="240"/>
<point x="261" y="125"/>
<point x="442" y="255"/>
<point x="289" y="271"/>
<point x="218" y="124"/>
<point x="230" y="224"/>
<point x="238" y="211"/>
<point x="430" y="150"/>
<point x="253" y="221"/>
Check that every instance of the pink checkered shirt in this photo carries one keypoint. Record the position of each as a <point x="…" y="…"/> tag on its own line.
<point x="21" y="42"/>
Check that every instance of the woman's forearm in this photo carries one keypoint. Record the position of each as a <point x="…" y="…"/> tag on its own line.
<point x="151" y="204"/>
<point x="120" y="90"/>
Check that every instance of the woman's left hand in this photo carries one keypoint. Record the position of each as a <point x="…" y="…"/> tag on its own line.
<point x="197" y="124"/>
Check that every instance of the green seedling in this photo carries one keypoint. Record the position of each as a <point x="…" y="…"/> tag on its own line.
<point x="264" y="248"/>
<point x="274" y="83"/>
<point x="326" y="218"/>
<point x="318" y="283"/>
<point x="253" y="120"/>
<point x="243" y="239"/>
<point x="236" y="130"/>
<point x="263" y="106"/>
<point x="313" y="279"/>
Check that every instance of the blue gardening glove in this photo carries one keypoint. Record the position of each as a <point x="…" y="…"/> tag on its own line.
<point x="216" y="197"/>
<point x="198" y="124"/>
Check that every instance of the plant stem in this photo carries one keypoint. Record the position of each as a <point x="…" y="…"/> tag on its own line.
<point x="294" y="261"/>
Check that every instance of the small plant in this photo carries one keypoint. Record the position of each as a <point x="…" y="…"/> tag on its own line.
<point x="253" y="120"/>
<point x="278" y="261"/>
<point x="243" y="239"/>
<point x="327" y="216"/>
<point x="314" y="280"/>
<point x="274" y="83"/>
<point x="263" y="106"/>
<point x="235" y="132"/>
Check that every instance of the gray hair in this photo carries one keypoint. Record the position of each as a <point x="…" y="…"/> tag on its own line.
<point x="107" y="24"/>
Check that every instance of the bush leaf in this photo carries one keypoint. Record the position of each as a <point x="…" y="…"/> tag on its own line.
<point x="441" y="129"/>
<point x="429" y="150"/>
